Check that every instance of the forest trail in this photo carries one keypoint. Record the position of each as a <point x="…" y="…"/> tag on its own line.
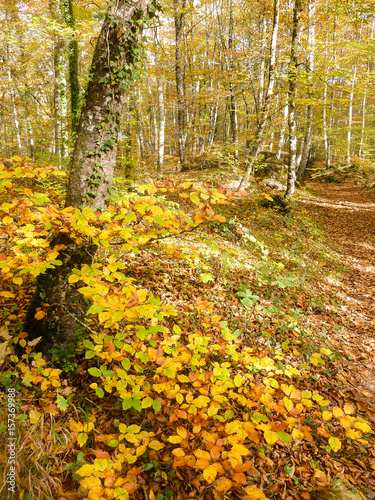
<point x="347" y="213"/>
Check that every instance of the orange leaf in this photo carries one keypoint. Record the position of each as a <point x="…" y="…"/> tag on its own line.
<point x="40" y="315"/>
<point x="239" y="478"/>
<point x="223" y="484"/>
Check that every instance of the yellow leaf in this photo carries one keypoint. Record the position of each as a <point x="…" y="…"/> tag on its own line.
<point x="210" y="474"/>
<point x="17" y="281"/>
<point x="178" y="452"/>
<point x="73" y="278"/>
<point x="271" y="437"/>
<point x="297" y="434"/>
<point x="86" y="470"/>
<point x="7" y="219"/>
<point x="34" y="416"/>
<point x="82" y="438"/>
<point x="255" y="493"/>
<point x="334" y="443"/>
<point x="346" y="422"/>
<point x="327" y="415"/>
<point x="40" y="315"/>
<point x="353" y="434"/>
<point x="156" y="445"/>
<point x="241" y="449"/>
<point x="182" y="432"/>
<point x="325" y="351"/>
<point x="202" y="454"/>
<point x="174" y="439"/>
<point x="177" y="329"/>
<point x="237" y="380"/>
<point x="338" y="412"/>
<point x="232" y="427"/>
<point x="363" y="426"/>
<point x="288" y="403"/>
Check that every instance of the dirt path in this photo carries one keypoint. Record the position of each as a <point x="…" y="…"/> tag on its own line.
<point x="347" y="214"/>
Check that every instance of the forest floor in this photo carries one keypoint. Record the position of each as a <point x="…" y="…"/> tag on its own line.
<point x="347" y="214"/>
<point x="280" y="306"/>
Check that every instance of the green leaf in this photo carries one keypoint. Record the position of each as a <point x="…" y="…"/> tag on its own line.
<point x="147" y="402"/>
<point x="205" y="277"/>
<point x="90" y="354"/>
<point x="137" y="404"/>
<point x="96" y="308"/>
<point x="127" y="404"/>
<point x="284" y="437"/>
<point x="94" y="372"/>
<point x="88" y="344"/>
<point x="126" y="363"/>
<point x="99" y="392"/>
<point x="62" y="403"/>
<point x="156" y="405"/>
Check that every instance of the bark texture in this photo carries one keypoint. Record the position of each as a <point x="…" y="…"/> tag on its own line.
<point x="292" y="77"/>
<point x="93" y="163"/>
<point x="178" y="21"/>
<point x="259" y="133"/>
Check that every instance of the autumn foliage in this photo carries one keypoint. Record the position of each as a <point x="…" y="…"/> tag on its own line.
<point x="174" y="399"/>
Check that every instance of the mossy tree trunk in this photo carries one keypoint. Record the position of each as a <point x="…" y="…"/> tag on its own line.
<point x="92" y="167"/>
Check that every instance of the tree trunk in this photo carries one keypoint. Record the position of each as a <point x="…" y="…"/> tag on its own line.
<point x="178" y="21"/>
<point x="161" y="130"/>
<point x="60" y="87"/>
<point x="92" y="168"/>
<point x="292" y="79"/>
<point x="258" y="139"/>
<point x="233" y="103"/>
<point x="309" y="111"/>
<point x="68" y="17"/>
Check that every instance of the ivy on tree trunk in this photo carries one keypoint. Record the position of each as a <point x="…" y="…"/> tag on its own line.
<point x="93" y="162"/>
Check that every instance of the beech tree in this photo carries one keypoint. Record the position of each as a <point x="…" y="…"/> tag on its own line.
<point x="115" y="61"/>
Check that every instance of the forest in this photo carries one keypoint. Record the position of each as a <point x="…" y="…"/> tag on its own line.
<point x="187" y="250"/>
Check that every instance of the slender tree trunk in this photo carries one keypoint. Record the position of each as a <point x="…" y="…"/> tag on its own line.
<point x="284" y="123"/>
<point x="350" y="115"/>
<point x="15" y="113"/>
<point x="258" y="139"/>
<point x="305" y="151"/>
<point x="93" y="163"/>
<point x="73" y="55"/>
<point x="233" y="103"/>
<point x="60" y="87"/>
<point x="179" y="6"/>
<point x="161" y="131"/>
<point x="292" y="79"/>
